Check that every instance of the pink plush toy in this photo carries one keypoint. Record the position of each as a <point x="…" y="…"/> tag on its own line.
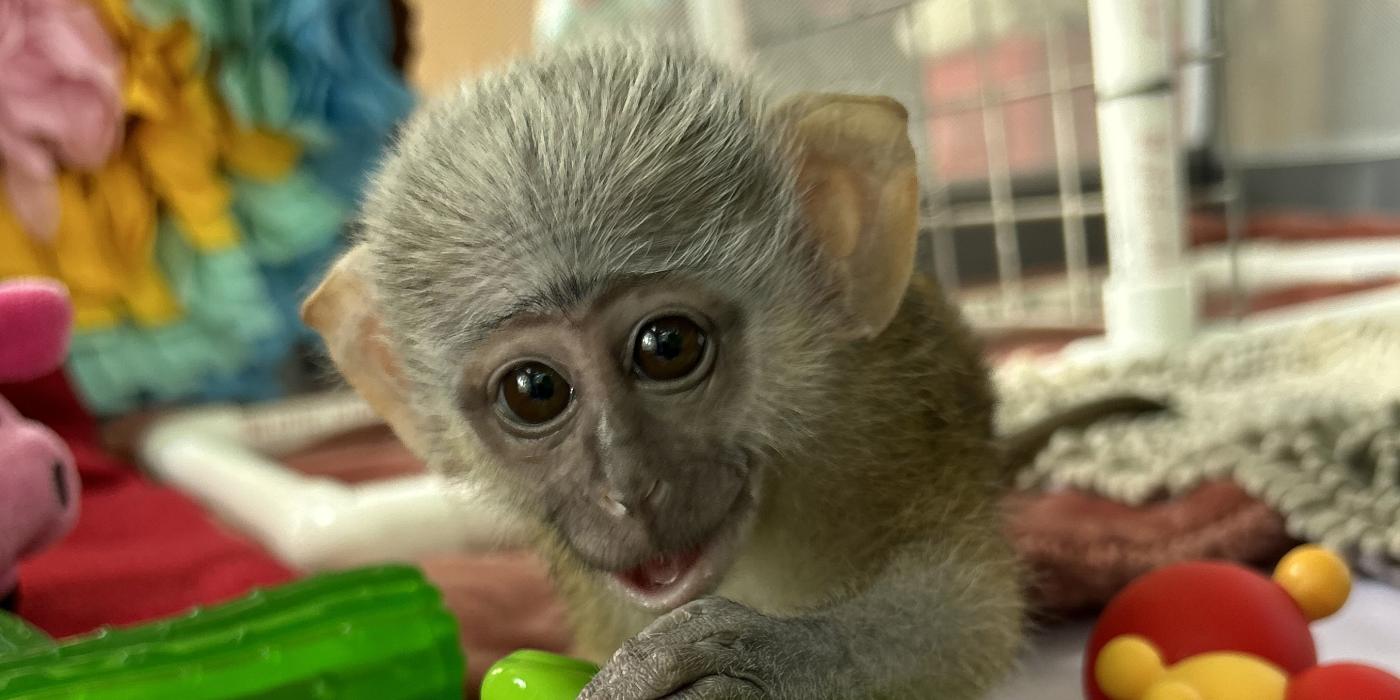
<point x="38" y="481"/>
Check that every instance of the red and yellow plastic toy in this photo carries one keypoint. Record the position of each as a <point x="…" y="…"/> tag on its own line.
<point x="1219" y="631"/>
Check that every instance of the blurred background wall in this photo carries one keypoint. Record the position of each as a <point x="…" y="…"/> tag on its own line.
<point x="1312" y="102"/>
<point x="458" y="38"/>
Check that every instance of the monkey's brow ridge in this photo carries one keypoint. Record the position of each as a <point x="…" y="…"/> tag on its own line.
<point x="568" y="293"/>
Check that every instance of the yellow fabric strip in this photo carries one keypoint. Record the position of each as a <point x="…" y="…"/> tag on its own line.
<point x="20" y="255"/>
<point x="258" y="154"/>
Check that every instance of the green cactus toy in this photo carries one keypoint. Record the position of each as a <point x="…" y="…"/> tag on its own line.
<point x="378" y="633"/>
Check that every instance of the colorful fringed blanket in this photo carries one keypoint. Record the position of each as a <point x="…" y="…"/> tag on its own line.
<point x="184" y="166"/>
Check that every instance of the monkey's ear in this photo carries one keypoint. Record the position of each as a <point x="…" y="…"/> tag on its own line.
<point x="860" y="197"/>
<point x="343" y="310"/>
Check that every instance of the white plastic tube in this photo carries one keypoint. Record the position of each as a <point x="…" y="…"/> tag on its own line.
<point x="1384" y="301"/>
<point x="217" y="455"/>
<point x="1148" y="298"/>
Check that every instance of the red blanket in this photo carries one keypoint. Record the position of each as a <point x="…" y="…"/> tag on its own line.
<point x="139" y="551"/>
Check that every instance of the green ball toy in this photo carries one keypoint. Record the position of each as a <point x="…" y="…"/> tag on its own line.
<point x="536" y="675"/>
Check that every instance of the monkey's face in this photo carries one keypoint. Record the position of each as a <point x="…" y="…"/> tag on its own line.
<point x="609" y="281"/>
<point x="619" y="421"/>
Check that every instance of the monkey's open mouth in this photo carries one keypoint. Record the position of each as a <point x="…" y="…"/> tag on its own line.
<point x="662" y="572"/>
<point x="672" y="579"/>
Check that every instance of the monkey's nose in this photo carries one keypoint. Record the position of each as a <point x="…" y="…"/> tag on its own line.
<point x="615" y="503"/>
<point x="623" y="503"/>
<point x="652" y="498"/>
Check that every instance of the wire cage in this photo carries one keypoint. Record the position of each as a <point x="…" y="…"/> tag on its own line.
<point x="1002" y="100"/>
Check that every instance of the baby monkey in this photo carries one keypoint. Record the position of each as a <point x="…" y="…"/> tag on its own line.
<point x="676" y="327"/>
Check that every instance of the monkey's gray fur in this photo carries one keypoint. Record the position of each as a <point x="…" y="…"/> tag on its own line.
<point x="875" y="567"/>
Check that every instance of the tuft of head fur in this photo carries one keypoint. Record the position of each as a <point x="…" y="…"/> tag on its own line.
<point x="556" y="175"/>
<point x="536" y="187"/>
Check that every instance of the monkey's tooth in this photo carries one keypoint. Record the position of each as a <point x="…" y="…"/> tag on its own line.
<point x="663" y="571"/>
<point x="667" y="570"/>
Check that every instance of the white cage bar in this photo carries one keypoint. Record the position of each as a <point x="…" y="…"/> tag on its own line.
<point x="1145" y="270"/>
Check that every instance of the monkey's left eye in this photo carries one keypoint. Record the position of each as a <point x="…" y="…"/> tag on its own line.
<point x="669" y="348"/>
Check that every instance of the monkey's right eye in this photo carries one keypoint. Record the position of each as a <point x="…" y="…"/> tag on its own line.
<point x="534" y="393"/>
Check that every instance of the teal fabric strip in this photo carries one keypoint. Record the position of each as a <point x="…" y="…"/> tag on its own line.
<point x="320" y="71"/>
<point x="228" y="312"/>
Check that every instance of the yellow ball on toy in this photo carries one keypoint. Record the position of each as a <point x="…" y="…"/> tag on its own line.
<point x="1318" y="580"/>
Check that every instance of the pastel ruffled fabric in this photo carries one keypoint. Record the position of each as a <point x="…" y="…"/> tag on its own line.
<point x="60" y="103"/>
<point x="317" y="69"/>
<point x="188" y="247"/>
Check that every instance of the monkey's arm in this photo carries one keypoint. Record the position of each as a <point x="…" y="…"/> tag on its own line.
<point x="942" y="620"/>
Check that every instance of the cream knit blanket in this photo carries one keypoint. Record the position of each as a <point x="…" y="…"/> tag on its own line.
<point x="1306" y="418"/>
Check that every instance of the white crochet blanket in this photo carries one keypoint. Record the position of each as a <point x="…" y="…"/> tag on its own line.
<point x="1306" y="419"/>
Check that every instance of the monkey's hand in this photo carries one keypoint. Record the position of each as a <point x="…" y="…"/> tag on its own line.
<point x="941" y="620"/>
<point x="715" y="648"/>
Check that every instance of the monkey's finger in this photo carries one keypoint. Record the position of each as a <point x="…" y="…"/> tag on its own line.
<point x="720" y="688"/>
<point x="706" y="637"/>
<point x="695" y="620"/>
<point x="642" y="670"/>
<point x="646" y="668"/>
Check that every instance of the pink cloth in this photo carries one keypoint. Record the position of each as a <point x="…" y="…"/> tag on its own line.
<point x="60" y="101"/>
<point x="38" y="479"/>
<point x="140" y="551"/>
<point x="38" y="491"/>
<point x="35" y="318"/>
